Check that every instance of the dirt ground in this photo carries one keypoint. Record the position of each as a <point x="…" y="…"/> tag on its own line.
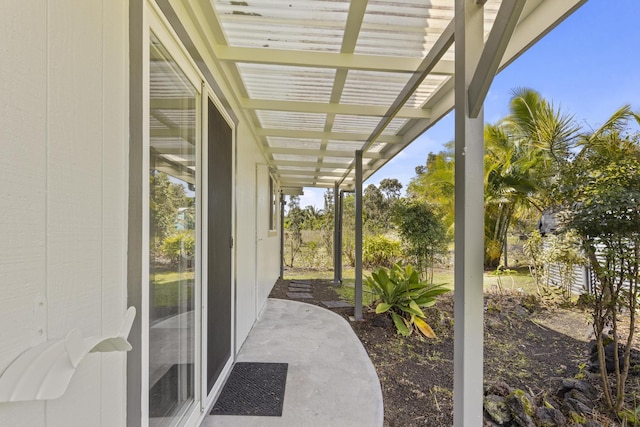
<point x="526" y="346"/>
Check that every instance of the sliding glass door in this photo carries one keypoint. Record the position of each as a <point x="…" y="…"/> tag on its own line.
<point x="174" y="108"/>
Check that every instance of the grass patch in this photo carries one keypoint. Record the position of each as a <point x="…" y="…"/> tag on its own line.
<point x="169" y="288"/>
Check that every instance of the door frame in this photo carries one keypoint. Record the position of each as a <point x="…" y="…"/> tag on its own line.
<point x="209" y="398"/>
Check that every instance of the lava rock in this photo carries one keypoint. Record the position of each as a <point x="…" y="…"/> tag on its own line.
<point x="583" y="387"/>
<point x="580" y="397"/>
<point x="500" y="388"/>
<point x="573" y="405"/>
<point x="550" y="417"/>
<point x="610" y="363"/>
<point x="521" y="408"/>
<point x="497" y="409"/>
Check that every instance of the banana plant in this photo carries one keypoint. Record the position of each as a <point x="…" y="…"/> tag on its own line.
<point x="401" y="294"/>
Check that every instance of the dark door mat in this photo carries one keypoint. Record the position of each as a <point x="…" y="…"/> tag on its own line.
<point x="253" y="389"/>
<point x="165" y="396"/>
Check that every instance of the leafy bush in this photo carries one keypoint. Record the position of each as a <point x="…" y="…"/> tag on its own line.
<point x="181" y="244"/>
<point x="421" y="227"/>
<point x="403" y="295"/>
<point x="380" y="251"/>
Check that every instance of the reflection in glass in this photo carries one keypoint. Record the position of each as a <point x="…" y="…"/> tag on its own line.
<point x="172" y="238"/>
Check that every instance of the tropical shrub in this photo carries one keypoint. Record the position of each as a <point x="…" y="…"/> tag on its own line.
<point x="603" y="184"/>
<point x="403" y="295"/>
<point x="380" y="251"/>
<point x="421" y="227"/>
<point x="181" y="244"/>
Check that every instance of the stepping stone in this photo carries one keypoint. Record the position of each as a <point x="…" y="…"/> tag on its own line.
<point x="299" y="295"/>
<point x="298" y="286"/>
<point x="336" y="304"/>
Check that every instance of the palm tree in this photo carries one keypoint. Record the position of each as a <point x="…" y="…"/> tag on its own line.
<point x="508" y="189"/>
<point x="523" y="154"/>
<point x="548" y="135"/>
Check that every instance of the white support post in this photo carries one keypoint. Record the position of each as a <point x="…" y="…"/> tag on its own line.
<point x="337" y="247"/>
<point x="357" y="312"/>
<point x="339" y="208"/>
<point x="282" y="203"/>
<point x="469" y="222"/>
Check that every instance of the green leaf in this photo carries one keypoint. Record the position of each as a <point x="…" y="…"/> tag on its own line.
<point x="416" y="309"/>
<point x="383" y="307"/>
<point x="401" y="326"/>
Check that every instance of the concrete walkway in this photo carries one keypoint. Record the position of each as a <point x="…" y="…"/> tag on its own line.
<point x="330" y="381"/>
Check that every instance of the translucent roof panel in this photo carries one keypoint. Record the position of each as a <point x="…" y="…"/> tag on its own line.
<point x="345" y="145"/>
<point x="403" y="27"/>
<point x="427" y="88"/>
<point x="294" y="157"/>
<point x="280" y="142"/>
<point x="291" y="120"/>
<point x="357" y="87"/>
<point x="278" y="82"/>
<point x="315" y="25"/>
<point x="364" y="124"/>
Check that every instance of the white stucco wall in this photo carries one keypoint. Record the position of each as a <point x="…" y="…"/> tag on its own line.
<point x="64" y="145"/>
<point x="258" y="248"/>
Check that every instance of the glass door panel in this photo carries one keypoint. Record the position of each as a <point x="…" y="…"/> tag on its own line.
<point x="173" y="105"/>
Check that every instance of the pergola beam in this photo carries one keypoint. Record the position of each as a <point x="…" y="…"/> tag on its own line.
<point x="346" y="61"/>
<point x="332" y="108"/>
<point x="309" y="173"/>
<point x="337" y="136"/>
<point x="322" y="165"/>
<point x="494" y="48"/>
<point x="315" y="152"/>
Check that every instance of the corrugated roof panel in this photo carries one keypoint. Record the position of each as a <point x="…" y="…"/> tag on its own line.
<point x="293" y="168"/>
<point x="364" y="124"/>
<point x="281" y="142"/>
<point x="425" y="90"/>
<point x="301" y="24"/>
<point x="290" y="120"/>
<point x="279" y="82"/>
<point x="403" y="27"/>
<point x="394" y="126"/>
<point x="345" y="146"/>
<point x="345" y="160"/>
<point x="357" y="87"/>
<point x="295" y="158"/>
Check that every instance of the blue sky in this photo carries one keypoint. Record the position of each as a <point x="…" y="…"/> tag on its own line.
<point x="589" y="66"/>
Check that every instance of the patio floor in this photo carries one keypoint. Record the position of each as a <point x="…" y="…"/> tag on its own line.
<point x="330" y="381"/>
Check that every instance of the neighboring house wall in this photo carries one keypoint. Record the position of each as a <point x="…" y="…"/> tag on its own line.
<point x="64" y="139"/>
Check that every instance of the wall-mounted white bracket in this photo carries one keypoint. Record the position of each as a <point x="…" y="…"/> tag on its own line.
<point x="44" y="371"/>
